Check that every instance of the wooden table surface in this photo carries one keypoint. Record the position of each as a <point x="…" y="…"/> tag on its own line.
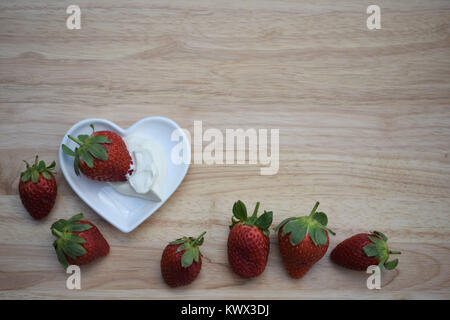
<point x="364" y="119"/>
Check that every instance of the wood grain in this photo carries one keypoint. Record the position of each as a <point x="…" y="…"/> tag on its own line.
<point x="364" y="119"/>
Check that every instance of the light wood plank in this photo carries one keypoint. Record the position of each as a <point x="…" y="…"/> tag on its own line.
<point x="364" y="119"/>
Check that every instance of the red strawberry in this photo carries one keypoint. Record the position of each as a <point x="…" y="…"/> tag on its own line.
<point x="79" y="242"/>
<point x="303" y="241"/>
<point x="364" y="250"/>
<point x="102" y="156"/>
<point x="181" y="261"/>
<point x="37" y="188"/>
<point x="248" y="241"/>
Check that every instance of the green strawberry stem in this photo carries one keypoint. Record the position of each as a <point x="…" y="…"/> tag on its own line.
<point x="255" y="212"/>
<point x="198" y="239"/>
<point x="75" y="140"/>
<point x="394" y="252"/>
<point x="313" y="211"/>
<point x="56" y="232"/>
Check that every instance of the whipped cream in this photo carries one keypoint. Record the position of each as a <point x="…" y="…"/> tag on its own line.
<point x="149" y="169"/>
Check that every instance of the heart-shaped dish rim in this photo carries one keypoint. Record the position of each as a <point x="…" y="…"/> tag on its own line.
<point x="122" y="132"/>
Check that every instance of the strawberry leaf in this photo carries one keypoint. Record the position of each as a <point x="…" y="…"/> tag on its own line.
<point x="76" y="162"/>
<point x="41" y="166"/>
<point x="98" y="151"/>
<point x="321" y="217"/>
<point x="371" y="250"/>
<point x="291" y="226"/>
<point x="61" y="256"/>
<point x="283" y="223"/>
<point x="34" y="175"/>
<point x="379" y="234"/>
<point x="187" y="258"/>
<point x="375" y="240"/>
<point x="265" y="220"/>
<point x="59" y="225"/>
<point x="239" y="210"/>
<point x="297" y="229"/>
<point x="26" y="176"/>
<point x="87" y="158"/>
<point x="330" y="231"/>
<point x="75" y="218"/>
<point x="195" y="254"/>
<point x="72" y="249"/>
<point x="46" y="175"/>
<point x="51" y="166"/>
<point x="67" y="150"/>
<point x="75" y="238"/>
<point x="80" y="227"/>
<point x="181" y="248"/>
<point x="251" y="221"/>
<point x="320" y="237"/>
<point x="83" y="137"/>
<point x="298" y="234"/>
<point x="391" y="264"/>
<point x="100" y="139"/>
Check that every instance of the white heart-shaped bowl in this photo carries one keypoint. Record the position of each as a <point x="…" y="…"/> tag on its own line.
<point x="125" y="212"/>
